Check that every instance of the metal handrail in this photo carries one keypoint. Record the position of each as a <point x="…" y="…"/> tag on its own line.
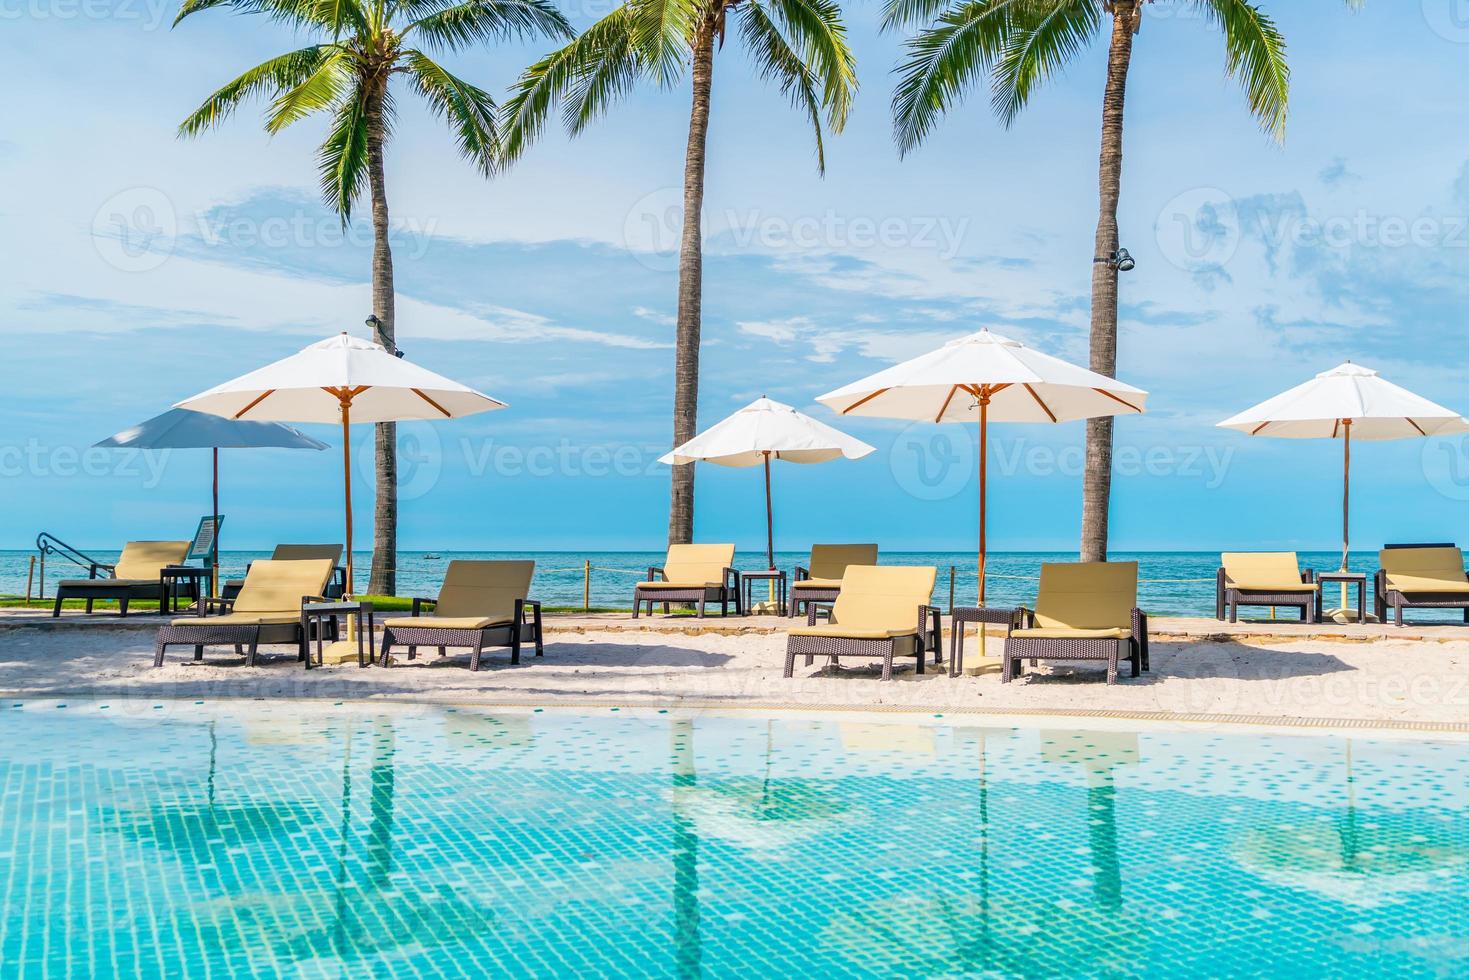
<point x="49" y="544"/>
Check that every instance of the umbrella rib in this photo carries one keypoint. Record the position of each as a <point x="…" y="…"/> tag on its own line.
<point x="1416" y="426"/>
<point x="1123" y="401"/>
<point x="1335" y="427"/>
<point x="952" y="391"/>
<point x="1050" y="414"/>
<point x="435" y="404"/>
<point x="1256" y="430"/>
<point x="263" y="396"/>
<point x="864" y="400"/>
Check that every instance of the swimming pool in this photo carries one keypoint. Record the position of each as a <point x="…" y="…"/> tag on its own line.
<point x="327" y="840"/>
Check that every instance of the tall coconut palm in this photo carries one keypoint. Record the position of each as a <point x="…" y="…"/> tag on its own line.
<point x="800" y="45"/>
<point x="1020" y="44"/>
<point x="358" y="48"/>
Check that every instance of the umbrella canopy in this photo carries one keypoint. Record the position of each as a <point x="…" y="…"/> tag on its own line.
<point x="761" y="431"/>
<point x="179" y="428"/>
<point x="985" y="377"/>
<point x="342" y="379"/>
<point x="1348" y="402"/>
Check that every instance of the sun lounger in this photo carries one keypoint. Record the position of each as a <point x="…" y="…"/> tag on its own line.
<point x="135" y="576"/>
<point x="1263" y="578"/>
<point x="821" y="581"/>
<point x="335" y="589"/>
<point x="1420" y="577"/>
<point x="481" y="604"/>
<point x="1083" y="611"/>
<point x="267" y="610"/>
<point x="693" y="573"/>
<point x="881" y="612"/>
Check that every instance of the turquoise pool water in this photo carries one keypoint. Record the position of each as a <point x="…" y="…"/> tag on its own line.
<point x="225" y="839"/>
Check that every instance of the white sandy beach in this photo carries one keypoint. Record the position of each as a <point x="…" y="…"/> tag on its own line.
<point x="1393" y="682"/>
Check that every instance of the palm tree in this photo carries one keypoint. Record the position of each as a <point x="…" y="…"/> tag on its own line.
<point x="800" y="45"/>
<point x="360" y="45"/>
<point x="1020" y="44"/>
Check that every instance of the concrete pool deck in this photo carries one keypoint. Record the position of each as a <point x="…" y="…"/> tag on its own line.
<point x="1412" y="679"/>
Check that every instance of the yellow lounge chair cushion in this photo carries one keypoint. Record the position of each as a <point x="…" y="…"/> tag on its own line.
<point x="703" y="564"/>
<point x="830" y="561"/>
<point x="141" y="561"/>
<point x="479" y="593"/>
<point x="242" y="619"/>
<point x="818" y="583"/>
<point x="880" y="601"/>
<point x="1086" y="595"/>
<point x="1043" y="633"/>
<point x="1264" y="571"/>
<point x="277" y="587"/>
<point x="446" y="622"/>
<point x="1412" y="570"/>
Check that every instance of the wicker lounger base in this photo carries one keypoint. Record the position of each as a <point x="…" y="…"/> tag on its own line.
<point x="808" y="596"/>
<point x="120" y="594"/>
<point x="1399" y="601"/>
<point x="835" y="647"/>
<point x="476" y="641"/>
<point x="1305" y="601"/>
<point x="1018" y="648"/>
<point x="698" y="597"/>
<point x="245" y="639"/>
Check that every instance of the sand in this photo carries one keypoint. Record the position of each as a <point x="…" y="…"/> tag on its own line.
<point x="1403" y="683"/>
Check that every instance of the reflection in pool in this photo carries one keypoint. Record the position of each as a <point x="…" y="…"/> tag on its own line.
<point x="302" y="838"/>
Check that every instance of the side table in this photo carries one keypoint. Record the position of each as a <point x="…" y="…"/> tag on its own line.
<point x="1005" y="616"/>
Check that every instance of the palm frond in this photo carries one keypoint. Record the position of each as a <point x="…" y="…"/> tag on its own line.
<point x="1037" y="50"/>
<point x="340" y="16"/>
<point x="897" y="14"/>
<point x="780" y="63"/>
<point x="319" y="90"/>
<point x="943" y="60"/>
<point x="817" y="33"/>
<point x="483" y="21"/>
<point x="277" y="75"/>
<point x="297" y="13"/>
<point x="469" y="111"/>
<point x="1254" y="54"/>
<point x="612" y="66"/>
<point x="662" y="32"/>
<point x="342" y="162"/>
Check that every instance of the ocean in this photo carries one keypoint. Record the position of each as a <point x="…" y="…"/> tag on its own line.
<point x="1171" y="583"/>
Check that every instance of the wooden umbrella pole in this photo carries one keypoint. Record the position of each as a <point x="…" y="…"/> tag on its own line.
<point x="346" y="404"/>
<point x="769" y="516"/>
<point x="1346" y="495"/>
<point x="214" y="549"/>
<point x="984" y="426"/>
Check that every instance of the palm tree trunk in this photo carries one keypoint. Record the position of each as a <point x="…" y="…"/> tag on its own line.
<point x="1097" y="479"/>
<point x="384" y="577"/>
<point x="690" y="288"/>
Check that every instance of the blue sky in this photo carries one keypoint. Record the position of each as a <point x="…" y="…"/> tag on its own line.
<point x="552" y="288"/>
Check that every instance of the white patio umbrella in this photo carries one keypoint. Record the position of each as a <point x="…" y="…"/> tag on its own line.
<point x="1348" y="402"/>
<point x="986" y="378"/>
<point x="761" y="431"/>
<point x="342" y="379"/>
